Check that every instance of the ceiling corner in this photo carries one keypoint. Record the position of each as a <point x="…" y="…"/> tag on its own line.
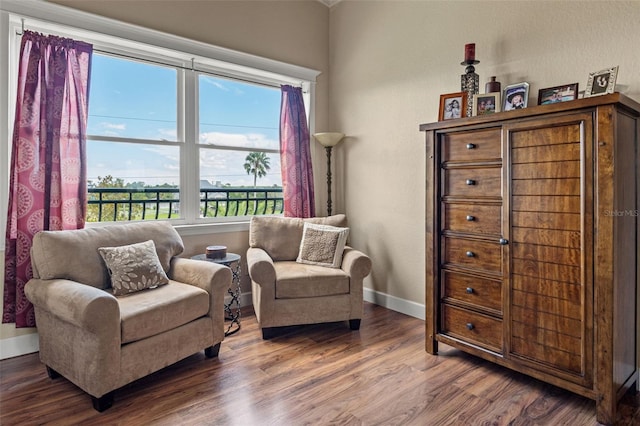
<point x="329" y="3"/>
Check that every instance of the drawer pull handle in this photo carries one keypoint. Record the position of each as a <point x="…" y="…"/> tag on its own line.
<point x="503" y="241"/>
<point x="470" y="326"/>
<point x="471" y="254"/>
<point x="469" y="290"/>
<point x="470" y="182"/>
<point x="471" y="218"/>
<point x="471" y="146"/>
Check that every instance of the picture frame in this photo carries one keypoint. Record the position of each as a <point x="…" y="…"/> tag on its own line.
<point x="516" y="96"/>
<point x="552" y="95"/>
<point x="487" y="103"/>
<point x="452" y="106"/>
<point x="601" y="82"/>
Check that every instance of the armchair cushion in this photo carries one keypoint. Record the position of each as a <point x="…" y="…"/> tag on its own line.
<point x="150" y="312"/>
<point x="133" y="267"/>
<point x="322" y="245"/>
<point x="302" y="280"/>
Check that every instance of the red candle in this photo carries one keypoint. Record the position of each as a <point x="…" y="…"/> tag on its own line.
<point x="469" y="52"/>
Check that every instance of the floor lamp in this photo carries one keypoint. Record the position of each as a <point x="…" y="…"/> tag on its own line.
<point x="328" y="140"/>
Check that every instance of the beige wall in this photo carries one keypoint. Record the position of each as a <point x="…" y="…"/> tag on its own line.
<point x="391" y="60"/>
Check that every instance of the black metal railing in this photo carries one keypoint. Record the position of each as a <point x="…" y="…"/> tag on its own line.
<point x="122" y="204"/>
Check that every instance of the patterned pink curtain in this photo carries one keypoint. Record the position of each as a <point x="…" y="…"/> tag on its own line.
<point x="47" y="187"/>
<point x="295" y="155"/>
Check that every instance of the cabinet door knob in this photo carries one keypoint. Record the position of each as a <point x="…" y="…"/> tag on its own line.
<point x="471" y="146"/>
<point x="469" y="290"/>
<point x="503" y="241"/>
<point x="470" y="326"/>
<point x="471" y="218"/>
<point x="471" y="254"/>
<point x="470" y="182"/>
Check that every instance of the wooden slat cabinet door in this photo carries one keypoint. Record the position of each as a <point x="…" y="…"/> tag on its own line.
<point x="550" y="324"/>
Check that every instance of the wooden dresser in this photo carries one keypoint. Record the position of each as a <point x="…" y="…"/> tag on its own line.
<point x="532" y="238"/>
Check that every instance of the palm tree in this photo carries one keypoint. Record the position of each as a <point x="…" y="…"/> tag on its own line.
<point x="257" y="163"/>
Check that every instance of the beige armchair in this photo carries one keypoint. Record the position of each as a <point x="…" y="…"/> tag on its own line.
<point x="101" y="342"/>
<point x="286" y="292"/>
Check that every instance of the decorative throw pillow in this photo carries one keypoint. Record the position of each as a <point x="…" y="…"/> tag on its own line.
<point x="134" y="267"/>
<point x="322" y="245"/>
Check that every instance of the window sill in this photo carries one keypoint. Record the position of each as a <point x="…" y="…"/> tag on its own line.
<point x="192" y="229"/>
<point x="212" y="228"/>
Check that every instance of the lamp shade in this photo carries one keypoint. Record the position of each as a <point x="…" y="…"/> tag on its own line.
<point x="328" y="138"/>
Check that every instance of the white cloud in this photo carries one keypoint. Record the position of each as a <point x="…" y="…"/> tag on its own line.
<point x="114" y="126"/>
<point x="249" y="140"/>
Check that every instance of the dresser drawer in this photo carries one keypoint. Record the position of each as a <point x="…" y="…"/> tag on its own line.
<point x="479" y="145"/>
<point x="472" y="327"/>
<point x="474" y="218"/>
<point x="480" y="182"/>
<point x="479" y="255"/>
<point x="474" y="290"/>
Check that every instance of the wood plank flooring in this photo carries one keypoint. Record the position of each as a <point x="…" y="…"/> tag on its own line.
<point x="310" y="375"/>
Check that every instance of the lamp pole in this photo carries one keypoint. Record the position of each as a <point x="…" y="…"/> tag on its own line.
<point x="328" y="149"/>
<point x="328" y="140"/>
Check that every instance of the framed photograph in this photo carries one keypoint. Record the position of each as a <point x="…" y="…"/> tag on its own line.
<point x="453" y="105"/>
<point x="601" y="82"/>
<point x="516" y="96"/>
<point x="552" y="95"/>
<point x="486" y="104"/>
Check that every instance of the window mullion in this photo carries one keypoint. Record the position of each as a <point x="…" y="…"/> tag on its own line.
<point x="189" y="160"/>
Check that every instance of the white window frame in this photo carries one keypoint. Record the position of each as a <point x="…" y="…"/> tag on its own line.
<point x="131" y="40"/>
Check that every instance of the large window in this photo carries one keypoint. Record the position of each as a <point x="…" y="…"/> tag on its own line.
<point x="143" y="142"/>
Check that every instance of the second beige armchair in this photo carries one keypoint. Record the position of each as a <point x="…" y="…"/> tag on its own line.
<point x="289" y="292"/>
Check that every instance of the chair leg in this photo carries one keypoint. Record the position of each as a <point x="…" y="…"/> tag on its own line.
<point x="102" y="403"/>
<point x="268" y="333"/>
<point x="212" y="351"/>
<point x="354" y="324"/>
<point x="53" y="374"/>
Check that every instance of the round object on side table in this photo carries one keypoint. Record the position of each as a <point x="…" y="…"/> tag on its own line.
<point x="216" y="252"/>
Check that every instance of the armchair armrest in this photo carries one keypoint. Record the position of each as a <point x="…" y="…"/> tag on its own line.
<point x="215" y="279"/>
<point x="87" y="307"/>
<point x="355" y="263"/>
<point x="260" y="266"/>
<point x="209" y="276"/>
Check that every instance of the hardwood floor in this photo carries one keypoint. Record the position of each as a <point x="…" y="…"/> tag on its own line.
<point x="310" y="375"/>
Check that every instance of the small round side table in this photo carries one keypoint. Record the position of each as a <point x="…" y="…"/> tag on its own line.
<point x="231" y="309"/>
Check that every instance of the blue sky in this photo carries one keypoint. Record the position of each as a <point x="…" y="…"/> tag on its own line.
<point x="131" y="99"/>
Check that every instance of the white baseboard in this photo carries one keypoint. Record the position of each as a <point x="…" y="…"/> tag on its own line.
<point x="22" y="345"/>
<point x="403" y="306"/>
<point x="19" y="345"/>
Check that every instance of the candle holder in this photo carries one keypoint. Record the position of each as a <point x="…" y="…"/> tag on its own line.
<point x="469" y="82"/>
